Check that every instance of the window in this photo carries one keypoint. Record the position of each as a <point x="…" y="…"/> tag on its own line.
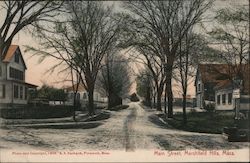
<point x="16" y="91"/>
<point x="21" y="92"/>
<point x="230" y="97"/>
<point x="25" y="93"/>
<point x="199" y="87"/>
<point x="16" y="74"/>
<point x="218" y="99"/>
<point x="17" y="58"/>
<point x="2" y="91"/>
<point x="0" y="70"/>
<point x="224" y="99"/>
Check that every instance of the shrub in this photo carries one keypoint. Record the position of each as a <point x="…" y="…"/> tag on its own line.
<point x="38" y="112"/>
<point x="193" y="111"/>
<point x="210" y="107"/>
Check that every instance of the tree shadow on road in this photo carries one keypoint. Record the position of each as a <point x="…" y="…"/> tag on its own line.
<point x="156" y="120"/>
<point x="67" y="126"/>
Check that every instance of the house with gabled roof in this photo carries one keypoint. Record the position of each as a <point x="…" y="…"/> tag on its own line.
<point x="13" y="87"/>
<point x="214" y="84"/>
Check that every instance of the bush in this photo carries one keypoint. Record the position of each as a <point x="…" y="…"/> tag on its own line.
<point x="39" y="112"/>
<point x="210" y="107"/>
<point x="193" y="111"/>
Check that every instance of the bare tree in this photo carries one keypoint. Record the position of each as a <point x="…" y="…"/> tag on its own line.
<point x="82" y="40"/>
<point x="185" y="69"/>
<point x="19" y="14"/>
<point x="144" y="86"/>
<point x="145" y="50"/>
<point x="232" y="32"/>
<point x="154" y="66"/>
<point x="168" y="22"/>
<point x="114" y="79"/>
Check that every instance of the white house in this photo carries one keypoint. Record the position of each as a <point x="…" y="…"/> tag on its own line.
<point x="207" y="76"/>
<point x="225" y="92"/>
<point x="82" y="96"/>
<point x="214" y="85"/>
<point x="13" y="88"/>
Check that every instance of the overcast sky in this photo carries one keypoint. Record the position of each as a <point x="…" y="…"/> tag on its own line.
<point x="36" y="73"/>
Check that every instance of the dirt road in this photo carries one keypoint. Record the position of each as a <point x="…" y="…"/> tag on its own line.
<point x="130" y="129"/>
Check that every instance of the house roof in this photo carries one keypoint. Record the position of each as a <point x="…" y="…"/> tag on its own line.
<point x="22" y="82"/>
<point x="72" y="88"/>
<point x="214" y="72"/>
<point x="224" y="84"/>
<point x="10" y="53"/>
<point x="222" y="74"/>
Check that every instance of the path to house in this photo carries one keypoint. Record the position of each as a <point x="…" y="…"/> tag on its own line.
<point x="131" y="129"/>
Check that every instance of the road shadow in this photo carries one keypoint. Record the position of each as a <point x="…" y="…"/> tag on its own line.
<point x="102" y="116"/>
<point x="66" y="126"/>
<point x="147" y="108"/>
<point x="165" y="144"/>
<point x="155" y="119"/>
<point x="128" y="130"/>
<point x="26" y="138"/>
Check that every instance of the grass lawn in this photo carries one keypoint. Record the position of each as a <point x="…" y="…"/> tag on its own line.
<point x="203" y="122"/>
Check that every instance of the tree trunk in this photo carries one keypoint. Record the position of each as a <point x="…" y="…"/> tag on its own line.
<point x="1" y="48"/>
<point x="170" y="95"/>
<point x="169" y="73"/>
<point x="165" y="100"/>
<point x="114" y="100"/>
<point x="74" y="107"/>
<point x="109" y="100"/>
<point x="158" y="104"/>
<point x="148" y="97"/>
<point x="91" y="102"/>
<point x="154" y="101"/>
<point x="184" y="100"/>
<point x="5" y="48"/>
<point x="159" y="94"/>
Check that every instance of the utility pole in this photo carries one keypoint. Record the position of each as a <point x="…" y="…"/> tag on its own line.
<point x="236" y="95"/>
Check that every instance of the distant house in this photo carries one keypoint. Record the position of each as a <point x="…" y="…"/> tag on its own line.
<point x="13" y="88"/>
<point x="214" y="84"/>
<point x="82" y="95"/>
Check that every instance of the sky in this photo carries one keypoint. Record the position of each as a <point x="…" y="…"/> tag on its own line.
<point x="36" y="73"/>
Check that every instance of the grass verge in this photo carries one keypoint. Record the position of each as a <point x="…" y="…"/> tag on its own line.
<point x="202" y="122"/>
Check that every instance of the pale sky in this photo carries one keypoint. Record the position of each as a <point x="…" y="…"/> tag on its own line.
<point x="35" y="73"/>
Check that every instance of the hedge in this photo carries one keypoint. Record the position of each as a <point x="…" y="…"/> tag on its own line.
<point x="36" y="112"/>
